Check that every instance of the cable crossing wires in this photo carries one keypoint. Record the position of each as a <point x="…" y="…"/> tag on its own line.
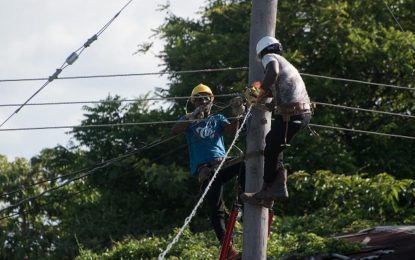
<point x="84" y="174"/>
<point x="363" y="131"/>
<point x="69" y="61"/>
<point x="132" y="74"/>
<point x="358" y="81"/>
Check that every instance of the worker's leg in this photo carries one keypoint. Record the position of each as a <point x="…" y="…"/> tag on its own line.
<point x="275" y="176"/>
<point x="275" y="140"/>
<point x="235" y="170"/>
<point x="215" y="203"/>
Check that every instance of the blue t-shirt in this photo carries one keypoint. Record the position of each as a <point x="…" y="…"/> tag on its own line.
<point x="205" y="140"/>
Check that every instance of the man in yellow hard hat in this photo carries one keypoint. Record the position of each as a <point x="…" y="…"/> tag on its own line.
<point x="204" y="135"/>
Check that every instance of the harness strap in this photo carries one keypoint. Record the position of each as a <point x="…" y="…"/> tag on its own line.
<point x="289" y="109"/>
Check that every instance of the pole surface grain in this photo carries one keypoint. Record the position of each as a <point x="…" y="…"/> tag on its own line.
<point x="263" y="22"/>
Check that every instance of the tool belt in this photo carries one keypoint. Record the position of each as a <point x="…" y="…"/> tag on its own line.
<point x="293" y="108"/>
<point x="206" y="170"/>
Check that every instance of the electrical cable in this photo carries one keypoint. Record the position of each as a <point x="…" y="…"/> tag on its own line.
<point x="103" y="164"/>
<point x="364" y="109"/>
<point x="210" y="70"/>
<point x="174" y="98"/>
<point x="394" y="17"/>
<point x="96" y="165"/>
<point x="29" y="210"/>
<point x="167" y="122"/>
<point x="131" y="74"/>
<point x="363" y="131"/>
<point x="87" y="173"/>
<point x="91" y="126"/>
<point x="110" y="101"/>
<point x="358" y="81"/>
<point x="69" y="61"/>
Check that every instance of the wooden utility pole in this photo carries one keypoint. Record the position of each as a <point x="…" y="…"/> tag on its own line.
<point x="263" y="20"/>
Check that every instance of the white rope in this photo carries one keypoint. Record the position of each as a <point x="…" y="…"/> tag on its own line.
<point x="193" y="213"/>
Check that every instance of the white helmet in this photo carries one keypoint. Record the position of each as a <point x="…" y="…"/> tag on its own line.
<point x="265" y="42"/>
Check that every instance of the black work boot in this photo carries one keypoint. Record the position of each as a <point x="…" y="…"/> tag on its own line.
<point x="269" y="192"/>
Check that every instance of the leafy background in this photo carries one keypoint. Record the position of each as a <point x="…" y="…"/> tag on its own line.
<point x="122" y="192"/>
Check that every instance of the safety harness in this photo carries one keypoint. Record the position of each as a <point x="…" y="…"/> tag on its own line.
<point x="287" y="111"/>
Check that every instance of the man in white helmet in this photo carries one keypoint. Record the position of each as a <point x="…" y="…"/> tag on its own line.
<point x="204" y="135"/>
<point x="292" y="113"/>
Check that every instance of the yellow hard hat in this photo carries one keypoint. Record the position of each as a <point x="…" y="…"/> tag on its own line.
<point x="201" y="88"/>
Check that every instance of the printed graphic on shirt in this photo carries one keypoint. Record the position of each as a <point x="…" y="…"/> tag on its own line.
<point x="205" y="139"/>
<point x="207" y="131"/>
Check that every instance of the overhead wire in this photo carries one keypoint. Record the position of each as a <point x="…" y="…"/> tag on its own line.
<point x="92" y="126"/>
<point x="358" y="81"/>
<point x="112" y="101"/>
<point x="86" y="173"/>
<point x="158" y="123"/>
<point x="29" y="210"/>
<point x="69" y="61"/>
<point x="362" y="131"/>
<point x="78" y="192"/>
<point x="186" y="97"/>
<point x="100" y="163"/>
<point x="175" y="121"/>
<point x="132" y="74"/>
<point x="128" y="124"/>
<point x="212" y="70"/>
<point x="393" y="15"/>
<point x="364" y="110"/>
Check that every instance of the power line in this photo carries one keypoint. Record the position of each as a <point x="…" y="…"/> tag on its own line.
<point x="87" y="173"/>
<point x="170" y="122"/>
<point x="78" y="192"/>
<point x="69" y="61"/>
<point x="175" y="98"/>
<point x="363" y="131"/>
<point x="209" y="70"/>
<point x="364" y="109"/>
<point x="155" y="143"/>
<point x="44" y="181"/>
<point x="132" y="74"/>
<point x="358" y="81"/>
<point x="91" y="126"/>
<point x="175" y="121"/>
<point x="110" y="101"/>
<point x="42" y="206"/>
<point x="394" y="17"/>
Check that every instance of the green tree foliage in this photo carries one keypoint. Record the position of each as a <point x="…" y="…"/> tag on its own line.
<point x="27" y="231"/>
<point x="358" y="40"/>
<point x="219" y="39"/>
<point x="321" y="206"/>
<point x="117" y="191"/>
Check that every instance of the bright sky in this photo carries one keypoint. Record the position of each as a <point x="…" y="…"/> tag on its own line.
<point x="37" y="37"/>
